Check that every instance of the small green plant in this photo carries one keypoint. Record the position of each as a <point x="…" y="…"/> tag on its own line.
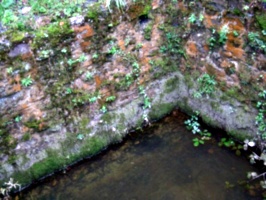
<point x="227" y="142"/>
<point x="201" y="17"/>
<point x="95" y="56"/>
<point x="80" y="136"/>
<point x="88" y="76"/>
<point x="223" y="34"/>
<point x="94" y="99"/>
<point x="113" y="49"/>
<point x="235" y="33"/>
<point x="81" y="59"/>
<point x="69" y="91"/>
<point x="172" y="45"/>
<point x="136" y="68"/>
<point x="103" y="109"/>
<point x="206" y="86"/>
<point x="26" y="137"/>
<point x="148" y="31"/>
<point x="212" y="42"/>
<point x="147" y="103"/>
<point x="193" y="125"/>
<point x="26" y="81"/>
<point x="9" y="70"/>
<point x="110" y="99"/>
<point x="197" y="142"/>
<point x="256" y="42"/>
<point x="18" y="118"/>
<point x="192" y="18"/>
<point x="139" y="46"/>
<point x="260" y="120"/>
<point x="45" y="53"/>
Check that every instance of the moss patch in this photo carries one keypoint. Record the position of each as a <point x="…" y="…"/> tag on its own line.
<point x="261" y="18"/>
<point x="171" y="84"/>
<point x="49" y="165"/>
<point x="160" y="110"/>
<point x="52" y="34"/>
<point x="93" y="146"/>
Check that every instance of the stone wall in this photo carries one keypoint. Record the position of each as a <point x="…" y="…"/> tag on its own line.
<point x="72" y="87"/>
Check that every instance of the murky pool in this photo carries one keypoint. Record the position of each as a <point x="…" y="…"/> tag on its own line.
<point x="160" y="163"/>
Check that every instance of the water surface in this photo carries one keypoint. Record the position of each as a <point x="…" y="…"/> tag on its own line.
<point x="160" y="163"/>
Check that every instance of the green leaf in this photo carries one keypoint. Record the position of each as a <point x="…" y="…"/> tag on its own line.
<point x="2" y="11"/>
<point x="196" y="144"/>
<point x="7" y="3"/>
<point x="80" y="136"/>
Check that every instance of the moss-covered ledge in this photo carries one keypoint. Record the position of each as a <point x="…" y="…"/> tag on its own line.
<point x="112" y="126"/>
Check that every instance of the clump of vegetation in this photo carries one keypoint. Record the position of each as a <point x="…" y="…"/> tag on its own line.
<point x="148" y="31"/>
<point x="193" y="19"/>
<point x="255" y="41"/>
<point x="207" y="85"/>
<point x="193" y="125"/>
<point x="223" y="34"/>
<point x="172" y="45"/>
<point x="20" y="14"/>
<point x="26" y="81"/>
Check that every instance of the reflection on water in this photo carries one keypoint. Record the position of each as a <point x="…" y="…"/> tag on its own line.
<point x="158" y="164"/>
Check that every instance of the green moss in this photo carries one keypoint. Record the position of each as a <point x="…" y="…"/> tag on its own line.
<point x="69" y="142"/>
<point x="92" y="146"/>
<point x="183" y="105"/>
<point x="215" y="105"/>
<point x="232" y="92"/>
<point x="160" y="110"/>
<point x="23" y="177"/>
<point x="237" y="12"/>
<point x="16" y="36"/>
<point x="26" y="137"/>
<point x="162" y="67"/>
<point x="188" y="80"/>
<point x="12" y="159"/>
<point x="52" y="34"/>
<point x="48" y="165"/>
<point x="147" y="9"/>
<point x="171" y="84"/>
<point x="34" y="124"/>
<point x="208" y="120"/>
<point x="94" y="11"/>
<point x="261" y="18"/>
<point x="148" y="31"/>
<point x="83" y="125"/>
<point x="107" y="117"/>
<point x="240" y="135"/>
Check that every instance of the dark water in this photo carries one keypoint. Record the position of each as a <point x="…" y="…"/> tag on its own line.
<point x="161" y="163"/>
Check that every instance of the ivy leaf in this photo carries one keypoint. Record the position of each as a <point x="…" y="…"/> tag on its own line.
<point x="80" y="136"/>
